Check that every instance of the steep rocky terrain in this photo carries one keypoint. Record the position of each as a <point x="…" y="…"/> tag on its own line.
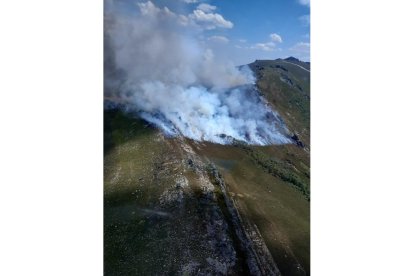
<point x="173" y="206"/>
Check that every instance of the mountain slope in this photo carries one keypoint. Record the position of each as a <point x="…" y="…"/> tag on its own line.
<point x="175" y="206"/>
<point x="286" y="85"/>
<point x="166" y="210"/>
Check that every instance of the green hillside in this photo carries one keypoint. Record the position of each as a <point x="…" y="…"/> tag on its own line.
<point x="287" y="87"/>
<point x="173" y="206"/>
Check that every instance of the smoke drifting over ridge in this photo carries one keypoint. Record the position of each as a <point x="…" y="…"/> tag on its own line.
<point x="156" y="67"/>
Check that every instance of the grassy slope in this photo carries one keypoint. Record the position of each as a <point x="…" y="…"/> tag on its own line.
<point x="279" y="208"/>
<point x="280" y="211"/>
<point x="287" y="88"/>
<point x="152" y="225"/>
<point x="128" y="165"/>
<point x="137" y="173"/>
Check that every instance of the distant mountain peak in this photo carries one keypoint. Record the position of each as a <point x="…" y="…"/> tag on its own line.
<point x="292" y="59"/>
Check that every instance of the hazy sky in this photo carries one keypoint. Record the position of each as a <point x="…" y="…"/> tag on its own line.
<point x="246" y="30"/>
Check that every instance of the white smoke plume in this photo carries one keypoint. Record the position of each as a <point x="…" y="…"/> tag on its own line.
<point x="156" y="65"/>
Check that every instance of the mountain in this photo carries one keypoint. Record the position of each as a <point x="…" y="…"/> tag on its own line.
<point x="285" y="83"/>
<point x="306" y="64"/>
<point x="176" y="206"/>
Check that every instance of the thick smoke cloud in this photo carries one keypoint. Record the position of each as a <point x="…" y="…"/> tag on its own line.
<point x="156" y="66"/>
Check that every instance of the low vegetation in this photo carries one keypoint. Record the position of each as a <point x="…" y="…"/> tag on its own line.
<point x="277" y="168"/>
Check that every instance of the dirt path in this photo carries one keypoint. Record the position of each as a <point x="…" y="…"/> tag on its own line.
<point x="297" y="65"/>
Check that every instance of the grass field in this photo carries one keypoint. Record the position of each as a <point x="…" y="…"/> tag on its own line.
<point x="280" y="210"/>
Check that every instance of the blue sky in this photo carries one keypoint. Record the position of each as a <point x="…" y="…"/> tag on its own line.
<point x="246" y="30"/>
<point x="254" y="21"/>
